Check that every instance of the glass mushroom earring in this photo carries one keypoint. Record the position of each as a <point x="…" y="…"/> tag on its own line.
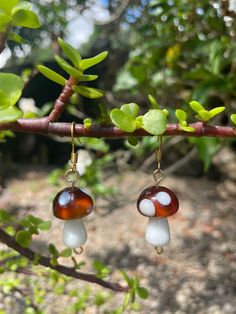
<point x="72" y="204"/>
<point x="158" y="203"/>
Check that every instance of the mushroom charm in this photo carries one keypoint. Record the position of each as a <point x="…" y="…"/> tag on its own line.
<point x="157" y="203"/>
<point x="72" y="204"/>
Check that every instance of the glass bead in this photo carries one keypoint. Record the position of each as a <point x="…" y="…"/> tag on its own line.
<point x="72" y="203"/>
<point x="157" y="201"/>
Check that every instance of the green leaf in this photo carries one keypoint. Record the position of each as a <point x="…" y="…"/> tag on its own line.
<point x="233" y="118"/>
<point x="122" y="120"/>
<point x="51" y="75"/>
<point x="66" y="253"/>
<point x="196" y="106"/>
<point x="153" y="102"/>
<point x="87" y="63"/>
<point x="87" y="78"/>
<point x="132" y="140"/>
<point x="186" y="128"/>
<point x="8" y="5"/>
<point x="216" y="111"/>
<point x="4" y="102"/>
<point x="139" y="122"/>
<point x="88" y="92"/>
<point x="4" y="20"/>
<point x="45" y="226"/>
<point x="67" y="67"/>
<point x="142" y="292"/>
<point x="23" y="238"/>
<point x="7" y="81"/>
<point x="154" y="122"/>
<point x="25" y="5"/>
<point x="70" y="52"/>
<point x="207" y="147"/>
<point x="10" y="114"/>
<point x="29" y="115"/>
<point x="132" y="109"/>
<point x="5" y="217"/>
<point x="87" y="123"/>
<point x="17" y="38"/>
<point x="53" y="250"/>
<point x="203" y="115"/>
<point x="181" y="115"/>
<point x="25" y="18"/>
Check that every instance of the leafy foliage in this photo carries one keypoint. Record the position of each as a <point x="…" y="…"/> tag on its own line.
<point x="14" y="13"/>
<point x="76" y="70"/>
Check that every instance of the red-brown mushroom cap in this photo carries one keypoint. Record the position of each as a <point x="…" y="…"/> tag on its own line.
<point x="72" y="203"/>
<point x="157" y="202"/>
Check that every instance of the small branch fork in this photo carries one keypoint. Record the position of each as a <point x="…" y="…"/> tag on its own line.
<point x="68" y="271"/>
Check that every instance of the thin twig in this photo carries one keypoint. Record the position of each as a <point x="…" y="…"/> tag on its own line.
<point x="68" y="271"/>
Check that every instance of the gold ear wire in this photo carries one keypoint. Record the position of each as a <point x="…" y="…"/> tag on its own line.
<point x="158" y="174"/>
<point x="72" y="175"/>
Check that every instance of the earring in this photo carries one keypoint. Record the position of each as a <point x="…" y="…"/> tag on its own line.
<point x="158" y="203"/>
<point x="72" y="204"/>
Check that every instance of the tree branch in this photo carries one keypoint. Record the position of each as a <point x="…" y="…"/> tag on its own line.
<point x="68" y="271"/>
<point x="3" y="39"/>
<point x="61" y="101"/>
<point x="44" y="126"/>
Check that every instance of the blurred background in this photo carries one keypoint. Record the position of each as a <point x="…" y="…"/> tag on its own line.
<point x="177" y="51"/>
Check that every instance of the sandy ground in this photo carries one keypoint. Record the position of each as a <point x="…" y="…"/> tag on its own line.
<point x="195" y="274"/>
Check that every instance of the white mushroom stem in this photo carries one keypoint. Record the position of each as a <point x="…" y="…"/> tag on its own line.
<point x="158" y="232"/>
<point x="74" y="233"/>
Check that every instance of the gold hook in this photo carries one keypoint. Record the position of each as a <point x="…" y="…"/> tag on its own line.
<point x="72" y="175"/>
<point x="158" y="174"/>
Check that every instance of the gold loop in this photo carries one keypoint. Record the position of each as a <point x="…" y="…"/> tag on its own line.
<point x="158" y="175"/>
<point x="159" y="250"/>
<point x="72" y="175"/>
<point x="79" y="251"/>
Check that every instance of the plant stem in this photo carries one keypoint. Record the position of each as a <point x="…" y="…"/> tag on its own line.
<point x="68" y="271"/>
<point x="44" y="126"/>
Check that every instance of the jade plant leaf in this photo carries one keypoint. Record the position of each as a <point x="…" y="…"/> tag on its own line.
<point x="88" y="92"/>
<point x="87" y="78"/>
<point x="10" y="114"/>
<point x="216" y="111"/>
<point x="87" y="63"/>
<point x="122" y="120"/>
<point x="233" y="118"/>
<point x="67" y="67"/>
<point x="17" y="38"/>
<point x="25" y="18"/>
<point x="4" y="102"/>
<point x="23" y="238"/>
<point x="52" y="75"/>
<point x="131" y="109"/>
<point x="8" y="5"/>
<point x="154" y="122"/>
<point x="196" y="106"/>
<point x="153" y="102"/>
<point x="70" y="52"/>
<point x="7" y="80"/>
<point x="181" y="115"/>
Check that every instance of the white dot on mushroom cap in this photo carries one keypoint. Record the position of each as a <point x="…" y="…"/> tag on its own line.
<point x="147" y="207"/>
<point x="163" y="198"/>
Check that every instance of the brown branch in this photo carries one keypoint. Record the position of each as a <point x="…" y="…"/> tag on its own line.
<point x="61" y="101"/>
<point x="44" y="126"/>
<point x="68" y="271"/>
